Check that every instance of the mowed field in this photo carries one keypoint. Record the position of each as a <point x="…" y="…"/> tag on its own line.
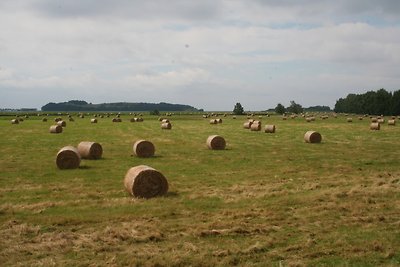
<point x="266" y="200"/>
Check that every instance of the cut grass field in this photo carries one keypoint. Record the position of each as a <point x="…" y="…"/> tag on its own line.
<point x="266" y="200"/>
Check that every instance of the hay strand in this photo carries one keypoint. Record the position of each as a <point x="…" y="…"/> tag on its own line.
<point x="90" y="150"/>
<point x="143" y="149"/>
<point x="145" y="182"/>
<point x="312" y="137"/>
<point x="68" y="158"/>
<point x="216" y="142"/>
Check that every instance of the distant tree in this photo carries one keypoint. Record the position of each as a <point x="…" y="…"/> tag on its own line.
<point x="395" y="106"/>
<point x="238" y="109"/>
<point x="280" y="109"/>
<point x="295" y="108"/>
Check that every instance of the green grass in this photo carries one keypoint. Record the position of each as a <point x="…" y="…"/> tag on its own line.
<point x="267" y="200"/>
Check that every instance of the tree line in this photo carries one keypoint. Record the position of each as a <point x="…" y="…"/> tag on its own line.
<point x="380" y="102"/>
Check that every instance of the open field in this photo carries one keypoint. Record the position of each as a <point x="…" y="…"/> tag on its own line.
<point x="267" y="200"/>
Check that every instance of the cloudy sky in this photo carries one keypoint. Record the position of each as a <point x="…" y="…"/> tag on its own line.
<point x="209" y="54"/>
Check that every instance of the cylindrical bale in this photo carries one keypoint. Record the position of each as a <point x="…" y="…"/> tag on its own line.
<point x="56" y="129"/>
<point x="219" y="120"/>
<point x="116" y="120"/>
<point x="93" y="121"/>
<point x="145" y="182"/>
<point x="62" y="123"/>
<point x="270" y="128"/>
<point x="216" y="142"/>
<point x="143" y="149"/>
<point x="392" y="122"/>
<point x="247" y="125"/>
<point x="90" y="150"/>
<point x="375" y="126"/>
<point x="255" y="127"/>
<point x="68" y="158"/>
<point x="312" y="137"/>
<point x="234" y="117"/>
<point x="44" y="119"/>
<point x="360" y="118"/>
<point x="166" y="126"/>
<point x="308" y="119"/>
<point x="213" y="121"/>
<point x="373" y="119"/>
<point x="381" y="120"/>
<point x="349" y="119"/>
<point x="14" y="121"/>
<point x="165" y="121"/>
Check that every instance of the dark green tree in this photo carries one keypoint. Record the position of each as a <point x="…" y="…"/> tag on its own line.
<point x="295" y="108"/>
<point x="238" y="109"/>
<point x="280" y="109"/>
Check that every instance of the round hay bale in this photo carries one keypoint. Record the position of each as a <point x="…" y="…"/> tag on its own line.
<point x="44" y="120"/>
<point x="143" y="149"/>
<point x="93" y="120"/>
<point x="312" y="137"/>
<point x="381" y="120"/>
<point x="360" y="118"/>
<point x="165" y="120"/>
<point x="255" y="126"/>
<point x="166" y="126"/>
<point x="56" y="129"/>
<point x="90" y="150"/>
<point x="373" y="119"/>
<point x="216" y="142"/>
<point x="62" y="123"/>
<point x="269" y="128"/>
<point x="116" y="120"/>
<point x="219" y="120"/>
<point x="68" y="158"/>
<point x="392" y="122"/>
<point x="247" y="125"/>
<point x="349" y="119"/>
<point x="14" y="121"/>
<point x="234" y="117"/>
<point x="309" y="119"/>
<point x="375" y="126"/>
<point x="213" y="121"/>
<point x="145" y="182"/>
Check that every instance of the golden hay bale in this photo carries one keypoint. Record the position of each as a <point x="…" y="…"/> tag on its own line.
<point x="247" y="125"/>
<point x="213" y="121"/>
<point x="219" y="120"/>
<point x="381" y="120"/>
<point x="145" y="182"/>
<point x="392" y="122"/>
<point x="56" y="129"/>
<point x="349" y="119"/>
<point x="269" y="128"/>
<point x="14" y="121"/>
<point x="308" y="119"/>
<point x="44" y="119"/>
<point x="116" y="120"/>
<point x="312" y="137"/>
<point x="143" y="149"/>
<point x="90" y="150"/>
<point x="216" y="142"/>
<point x="139" y="119"/>
<point x="373" y="119"/>
<point x="166" y="126"/>
<point x="62" y="123"/>
<point x="375" y="126"/>
<point x="255" y="126"/>
<point x="165" y="121"/>
<point x="234" y="117"/>
<point x="93" y="120"/>
<point x="360" y="118"/>
<point x="68" y="158"/>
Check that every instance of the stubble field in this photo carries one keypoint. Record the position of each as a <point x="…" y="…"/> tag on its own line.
<point x="266" y="200"/>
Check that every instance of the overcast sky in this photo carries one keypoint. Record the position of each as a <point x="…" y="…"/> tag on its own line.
<point x="209" y="54"/>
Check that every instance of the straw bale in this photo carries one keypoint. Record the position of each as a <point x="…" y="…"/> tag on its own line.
<point x="165" y="120"/>
<point x="213" y="121"/>
<point x="219" y="120"/>
<point x="90" y="150"/>
<point x="375" y="126"/>
<point x="312" y="137"/>
<point x="56" y="129"/>
<point x="143" y="149"/>
<point x="93" y="120"/>
<point x="166" y="126"/>
<point x="14" y="121"/>
<point x="216" y="142"/>
<point x="349" y="119"/>
<point x="247" y="125"/>
<point x="269" y="128"/>
<point x="68" y="158"/>
<point x="255" y="126"/>
<point x="392" y="122"/>
<point x="62" y="123"/>
<point x="145" y="182"/>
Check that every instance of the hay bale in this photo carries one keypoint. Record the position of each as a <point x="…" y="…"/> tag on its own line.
<point x="90" y="150"/>
<point x="234" y="117"/>
<point x="68" y="158"/>
<point x="165" y="121"/>
<point x="219" y="120"/>
<point x="145" y="182"/>
<point x="269" y="128"/>
<point x="360" y="118"/>
<point x="309" y="119"/>
<point x="14" y="121"/>
<point x="392" y="122"/>
<point x="116" y="120"/>
<point x="375" y="126"/>
<point x="255" y="126"/>
<point x="284" y="118"/>
<point x="216" y="142"/>
<point x="143" y="149"/>
<point x="247" y="125"/>
<point x="373" y="119"/>
<point x="93" y="120"/>
<point x="312" y="137"/>
<point x="166" y="126"/>
<point x="213" y="121"/>
<point x="62" y="123"/>
<point x="381" y="120"/>
<point x="56" y="129"/>
<point x="349" y="119"/>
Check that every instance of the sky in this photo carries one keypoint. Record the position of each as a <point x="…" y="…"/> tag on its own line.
<point x="209" y="54"/>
